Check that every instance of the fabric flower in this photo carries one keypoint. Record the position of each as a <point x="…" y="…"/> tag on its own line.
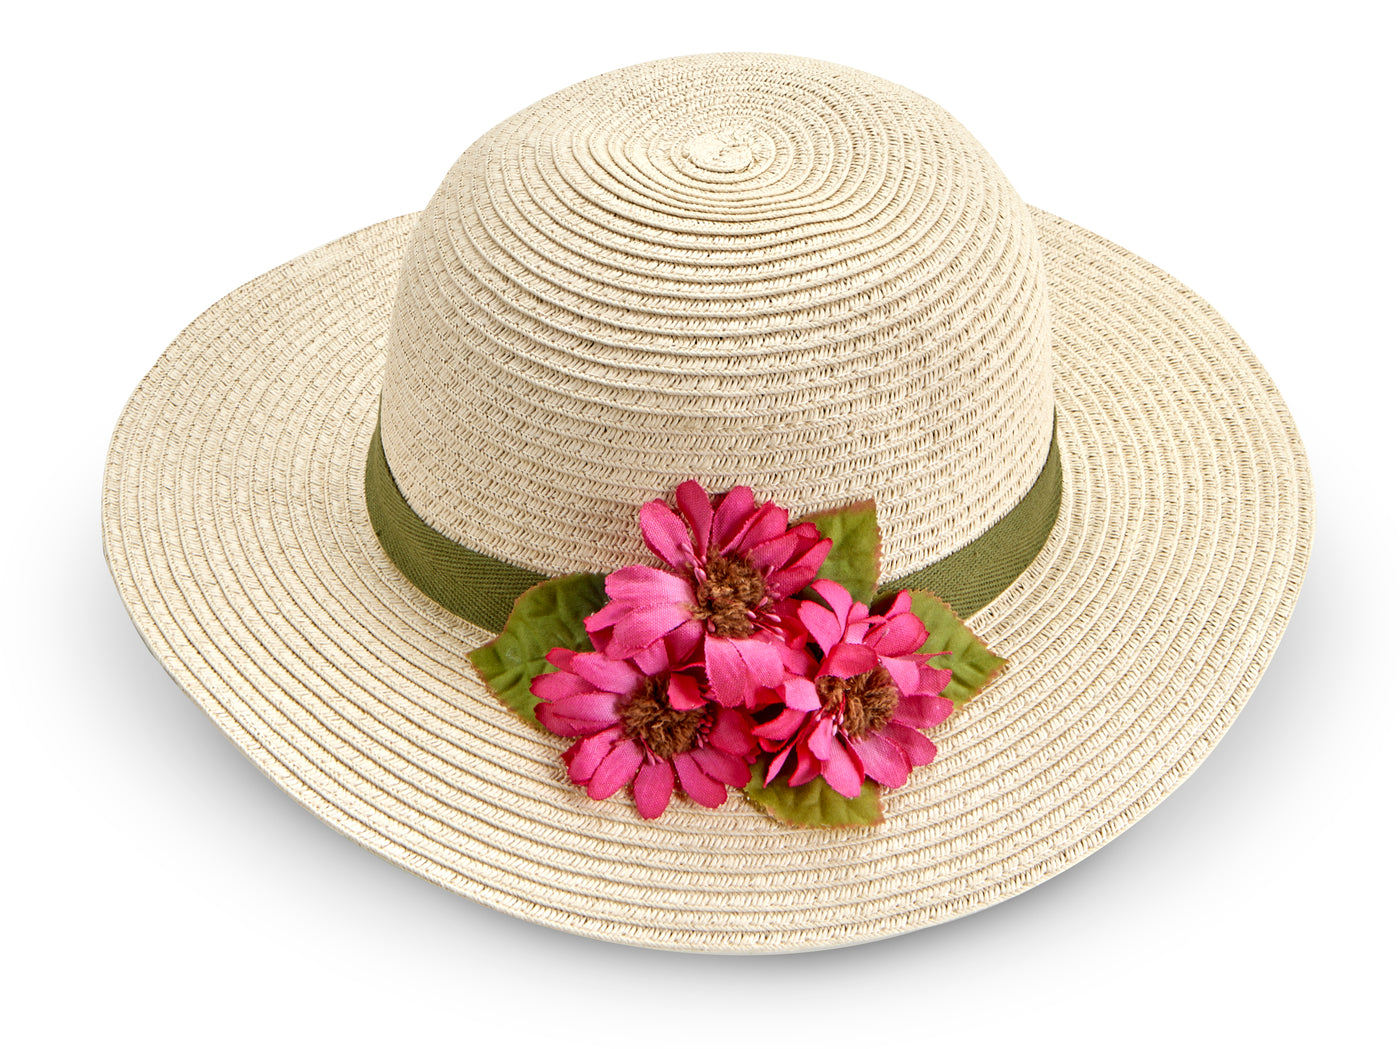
<point x="728" y="563"/>
<point x="645" y="722"/>
<point x="859" y="711"/>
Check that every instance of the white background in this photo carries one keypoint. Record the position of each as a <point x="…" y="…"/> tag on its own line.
<point x="159" y="891"/>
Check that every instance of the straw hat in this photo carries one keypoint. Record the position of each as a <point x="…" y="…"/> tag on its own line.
<point x="747" y="270"/>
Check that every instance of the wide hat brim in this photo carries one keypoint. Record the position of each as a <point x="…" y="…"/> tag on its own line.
<point x="235" y="527"/>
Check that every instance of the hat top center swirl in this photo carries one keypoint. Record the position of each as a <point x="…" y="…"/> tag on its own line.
<point x="724" y="150"/>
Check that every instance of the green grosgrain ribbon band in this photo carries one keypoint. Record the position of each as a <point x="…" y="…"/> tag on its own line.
<point x="483" y="589"/>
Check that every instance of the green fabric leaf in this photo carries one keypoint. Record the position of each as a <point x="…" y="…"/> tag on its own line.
<point x="548" y="615"/>
<point x="854" y="559"/>
<point x="972" y="662"/>
<point x="815" y="804"/>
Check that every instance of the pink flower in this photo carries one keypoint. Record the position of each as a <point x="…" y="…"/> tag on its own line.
<point x="860" y="712"/>
<point x="729" y="564"/>
<point x="643" y="722"/>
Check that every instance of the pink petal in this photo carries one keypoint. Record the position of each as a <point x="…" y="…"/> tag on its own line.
<point x="567" y="726"/>
<point x="806" y="769"/>
<point x="843" y="770"/>
<point x="901" y="635"/>
<point x="582" y="720"/>
<point x="729" y="676"/>
<point x="767" y="523"/>
<point x="652" y="789"/>
<point x="764" y="697"/>
<point x="600" y="624"/>
<point x="923" y="711"/>
<point x="820" y="740"/>
<point x="652" y="661"/>
<point x="884" y="762"/>
<point x="584" y="756"/>
<point x="644" y="585"/>
<point x="837" y="596"/>
<point x="799" y="573"/>
<point x="731" y="733"/>
<point x="763" y="657"/>
<point x="799" y="693"/>
<point x="644" y="627"/>
<point x="776" y="765"/>
<point x="609" y="675"/>
<point x="905" y="674"/>
<point x="914" y="743"/>
<point x="796" y="659"/>
<point x="721" y="766"/>
<point x="682" y="645"/>
<point x="561" y="657"/>
<point x="586" y="706"/>
<point x="730" y="517"/>
<point x="697" y="784"/>
<point x="903" y="602"/>
<point x="934" y="680"/>
<point x="848" y="660"/>
<point x="683" y="692"/>
<point x="821" y="623"/>
<point x="601" y="619"/>
<point x="787" y="581"/>
<point x="781" y="727"/>
<point x="738" y="667"/>
<point x="695" y="506"/>
<point x="558" y="685"/>
<point x="773" y="553"/>
<point x="665" y="535"/>
<point x="615" y="770"/>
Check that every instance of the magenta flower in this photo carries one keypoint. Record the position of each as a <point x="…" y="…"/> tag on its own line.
<point x="729" y="564"/>
<point x="859" y="713"/>
<point x="643" y="722"/>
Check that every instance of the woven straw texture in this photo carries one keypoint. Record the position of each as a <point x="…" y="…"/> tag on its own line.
<point x="746" y="269"/>
<point x="236" y="530"/>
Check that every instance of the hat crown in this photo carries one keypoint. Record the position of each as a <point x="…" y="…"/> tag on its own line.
<point x="745" y="269"/>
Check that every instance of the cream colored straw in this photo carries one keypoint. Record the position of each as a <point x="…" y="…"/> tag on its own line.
<point x="747" y="269"/>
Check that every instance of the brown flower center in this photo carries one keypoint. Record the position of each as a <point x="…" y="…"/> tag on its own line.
<point x="648" y="716"/>
<point x="868" y="700"/>
<point x="732" y="587"/>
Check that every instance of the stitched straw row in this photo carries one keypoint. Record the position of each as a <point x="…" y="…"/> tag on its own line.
<point x="740" y="268"/>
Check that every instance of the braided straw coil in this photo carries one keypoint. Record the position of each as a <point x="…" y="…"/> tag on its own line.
<point x="748" y="269"/>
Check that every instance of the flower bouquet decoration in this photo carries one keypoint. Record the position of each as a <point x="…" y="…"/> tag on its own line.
<point x="755" y="655"/>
